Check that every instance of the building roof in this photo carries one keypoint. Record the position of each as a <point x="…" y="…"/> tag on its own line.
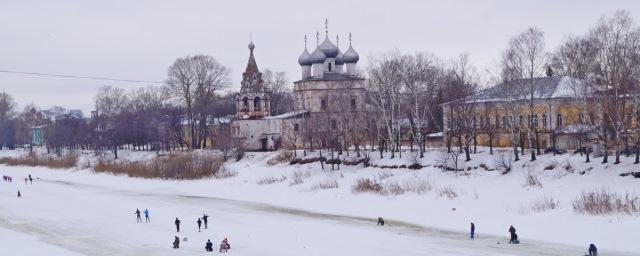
<point x="297" y="113"/>
<point x="331" y="76"/>
<point x="543" y="88"/>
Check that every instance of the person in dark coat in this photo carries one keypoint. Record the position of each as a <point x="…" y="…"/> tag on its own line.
<point x="177" y="222"/>
<point x="199" y="224"/>
<point x="176" y="243"/>
<point x="208" y="246"/>
<point x="593" y="251"/>
<point x="473" y="230"/>
<point x="30" y="179"/>
<point x="205" y="218"/>
<point x="19" y="195"/>
<point x="380" y="221"/>
<point x="138" y="218"/>
<point x="514" y="237"/>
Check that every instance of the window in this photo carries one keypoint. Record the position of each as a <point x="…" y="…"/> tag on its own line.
<point x="520" y="122"/>
<point x="488" y="121"/>
<point x="334" y="125"/>
<point x="504" y="121"/>
<point x="256" y="104"/>
<point x="296" y="127"/>
<point x="245" y="102"/>
<point x="559" y="120"/>
<point x="581" y="118"/>
<point x="323" y="104"/>
<point x="535" y="120"/>
<point x="474" y="122"/>
<point x="353" y="103"/>
<point x="329" y="66"/>
<point x="544" y="121"/>
<point x="497" y="122"/>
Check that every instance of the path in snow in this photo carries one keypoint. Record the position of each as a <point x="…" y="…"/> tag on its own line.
<point x="98" y="220"/>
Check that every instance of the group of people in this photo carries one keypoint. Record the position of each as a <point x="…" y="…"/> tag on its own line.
<point x="593" y="251"/>
<point x="28" y="179"/>
<point x="146" y="215"/>
<point x="224" y="245"/>
<point x="7" y="178"/>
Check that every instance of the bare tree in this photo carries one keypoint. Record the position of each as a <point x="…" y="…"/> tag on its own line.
<point x="193" y="80"/>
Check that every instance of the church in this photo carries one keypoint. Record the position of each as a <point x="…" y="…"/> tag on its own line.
<point x="329" y="85"/>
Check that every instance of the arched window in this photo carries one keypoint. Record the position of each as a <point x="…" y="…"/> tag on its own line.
<point x="520" y="122"/>
<point x="245" y="102"/>
<point x="535" y="121"/>
<point x="504" y="121"/>
<point x="323" y="104"/>
<point x="497" y="122"/>
<point x="329" y="66"/>
<point x="256" y="104"/>
<point x="559" y="120"/>
<point x="544" y="121"/>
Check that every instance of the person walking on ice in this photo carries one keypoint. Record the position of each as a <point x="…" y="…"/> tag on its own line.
<point x="208" y="246"/>
<point x="146" y="215"/>
<point x="380" y="221"/>
<point x="205" y="218"/>
<point x="19" y="195"/>
<point x="30" y="179"/>
<point x="199" y="224"/>
<point x="138" y="218"/>
<point x="177" y="222"/>
<point x="473" y="230"/>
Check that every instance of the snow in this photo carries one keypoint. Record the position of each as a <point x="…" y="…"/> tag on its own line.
<point x="80" y="211"/>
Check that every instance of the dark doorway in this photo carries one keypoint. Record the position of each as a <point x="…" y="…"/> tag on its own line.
<point x="264" y="143"/>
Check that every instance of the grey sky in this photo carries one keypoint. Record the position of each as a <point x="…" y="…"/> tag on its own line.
<point x="140" y="39"/>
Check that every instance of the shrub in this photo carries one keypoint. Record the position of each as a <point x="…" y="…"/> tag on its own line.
<point x="327" y="184"/>
<point x="448" y="192"/>
<point x="366" y="185"/>
<point x="544" y="204"/>
<point x="298" y="177"/>
<point x="601" y="202"/>
<point x="532" y="181"/>
<point x="68" y="160"/>
<point x="417" y="185"/>
<point x="271" y="179"/>
<point x="281" y="157"/>
<point x="178" y="166"/>
<point x="393" y="187"/>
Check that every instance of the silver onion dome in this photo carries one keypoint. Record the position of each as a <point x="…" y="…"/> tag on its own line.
<point x="305" y="58"/>
<point x="317" y="56"/>
<point x="328" y="48"/>
<point x="350" y="56"/>
<point x="340" y="58"/>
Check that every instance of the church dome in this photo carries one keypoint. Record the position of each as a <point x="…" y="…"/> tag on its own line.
<point x="328" y="48"/>
<point x="340" y="58"/>
<point x="305" y="58"/>
<point x="317" y="56"/>
<point x="251" y="46"/>
<point x="351" y="56"/>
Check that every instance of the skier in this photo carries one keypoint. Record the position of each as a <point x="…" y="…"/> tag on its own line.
<point x="146" y="215"/>
<point x="380" y="221"/>
<point x="514" y="236"/>
<point x="473" y="230"/>
<point x="138" y="218"/>
<point x="176" y="243"/>
<point x="19" y="195"/>
<point x="208" y="246"/>
<point x="593" y="251"/>
<point x="205" y="218"/>
<point x="199" y="224"/>
<point x="177" y="225"/>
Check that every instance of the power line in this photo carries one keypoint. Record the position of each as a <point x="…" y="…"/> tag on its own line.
<point x="79" y="77"/>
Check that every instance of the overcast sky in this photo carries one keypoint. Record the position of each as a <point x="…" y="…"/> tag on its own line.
<point x="140" y="39"/>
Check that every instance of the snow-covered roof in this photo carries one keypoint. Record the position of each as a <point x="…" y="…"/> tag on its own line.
<point x="543" y="88"/>
<point x="435" y="135"/>
<point x="288" y="115"/>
